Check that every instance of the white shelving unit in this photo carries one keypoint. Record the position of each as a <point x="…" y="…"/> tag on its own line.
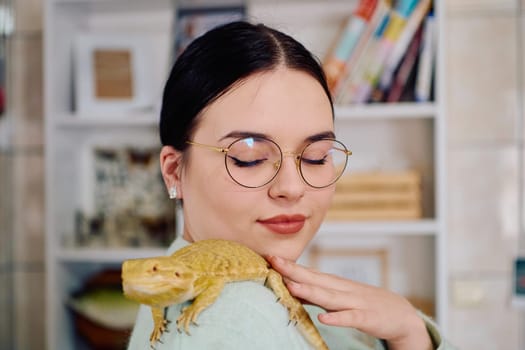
<point x="384" y="136"/>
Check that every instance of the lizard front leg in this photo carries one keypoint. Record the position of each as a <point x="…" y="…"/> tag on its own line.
<point x="296" y="310"/>
<point x="159" y="324"/>
<point x="204" y="299"/>
<point x="294" y="307"/>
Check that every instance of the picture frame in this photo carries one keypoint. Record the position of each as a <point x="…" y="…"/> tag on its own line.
<point x="193" y="21"/>
<point x="98" y="174"/>
<point x="123" y="200"/>
<point x="112" y="73"/>
<point x="365" y="265"/>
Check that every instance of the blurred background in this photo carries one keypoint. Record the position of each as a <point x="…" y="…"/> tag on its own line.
<point x="432" y="206"/>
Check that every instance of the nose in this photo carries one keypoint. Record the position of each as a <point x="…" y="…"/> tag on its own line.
<point x="127" y="266"/>
<point x="288" y="183"/>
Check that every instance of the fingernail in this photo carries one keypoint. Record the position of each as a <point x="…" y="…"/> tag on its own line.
<point x="325" y="317"/>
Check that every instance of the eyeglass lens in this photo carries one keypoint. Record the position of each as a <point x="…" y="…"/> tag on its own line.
<point x="254" y="162"/>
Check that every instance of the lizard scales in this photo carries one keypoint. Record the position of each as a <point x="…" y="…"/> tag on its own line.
<point x="199" y="272"/>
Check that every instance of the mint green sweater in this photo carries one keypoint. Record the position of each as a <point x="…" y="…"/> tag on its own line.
<point x="246" y="316"/>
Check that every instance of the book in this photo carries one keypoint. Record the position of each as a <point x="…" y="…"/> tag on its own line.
<point x="406" y="68"/>
<point x="391" y="34"/>
<point x="359" y="59"/>
<point x="378" y="195"/>
<point x="347" y="40"/>
<point x="411" y="26"/>
<point x="426" y="61"/>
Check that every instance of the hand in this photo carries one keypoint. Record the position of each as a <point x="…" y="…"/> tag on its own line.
<point x="372" y="310"/>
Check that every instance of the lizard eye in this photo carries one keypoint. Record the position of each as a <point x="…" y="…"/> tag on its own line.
<point x="177" y="274"/>
<point x="154" y="268"/>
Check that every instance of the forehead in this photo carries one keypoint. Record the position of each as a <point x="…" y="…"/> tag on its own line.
<point x="285" y="104"/>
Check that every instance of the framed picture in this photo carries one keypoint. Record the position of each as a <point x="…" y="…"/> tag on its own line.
<point x="192" y="22"/>
<point x="119" y="171"/>
<point x="364" y="265"/>
<point x="112" y="73"/>
<point x="124" y="201"/>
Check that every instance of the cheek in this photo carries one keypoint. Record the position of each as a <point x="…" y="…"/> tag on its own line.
<point x="323" y="198"/>
<point x="217" y="214"/>
<point x="213" y="202"/>
<point x="204" y="175"/>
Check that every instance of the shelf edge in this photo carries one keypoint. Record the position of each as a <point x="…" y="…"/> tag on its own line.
<point x="387" y="111"/>
<point x="425" y="227"/>
<point x="105" y="255"/>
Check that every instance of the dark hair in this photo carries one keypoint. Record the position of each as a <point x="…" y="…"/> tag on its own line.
<point x="214" y="62"/>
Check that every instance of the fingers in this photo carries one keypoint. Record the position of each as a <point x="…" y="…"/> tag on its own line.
<point x="292" y="271"/>
<point x="288" y="268"/>
<point x="350" y="309"/>
<point x="370" y="309"/>
<point x="357" y="318"/>
<point x="327" y="298"/>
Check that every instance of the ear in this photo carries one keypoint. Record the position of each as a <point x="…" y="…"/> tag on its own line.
<point x="171" y="168"/>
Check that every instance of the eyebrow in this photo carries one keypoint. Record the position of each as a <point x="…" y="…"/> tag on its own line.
<point x="244" y="134"/>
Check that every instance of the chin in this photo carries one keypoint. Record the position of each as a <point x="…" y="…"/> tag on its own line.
<point x="292" y="252"/>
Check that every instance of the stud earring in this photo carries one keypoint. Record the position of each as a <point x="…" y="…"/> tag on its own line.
<point x="172" y="192"/>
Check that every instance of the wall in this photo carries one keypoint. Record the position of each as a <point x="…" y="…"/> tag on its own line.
<point x="485" y="134"/>
<point x="483" y="149"/>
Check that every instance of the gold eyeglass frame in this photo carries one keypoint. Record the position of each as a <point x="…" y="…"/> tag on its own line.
<point x="297" y="157"/>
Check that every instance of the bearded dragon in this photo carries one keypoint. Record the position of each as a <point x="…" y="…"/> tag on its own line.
<point x="199" y="272"/>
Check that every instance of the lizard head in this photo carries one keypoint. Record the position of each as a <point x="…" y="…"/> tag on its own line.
<point x="157" y="281"/>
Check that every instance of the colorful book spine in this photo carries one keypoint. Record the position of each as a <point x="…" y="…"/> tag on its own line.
<point x="426" y="61"/>
<point x="413" y="23"/>
<point x="359" y="58"/>
<point x="356" y="24"/>
<point x="405" y="68"/>
<point x="391" y="34"/>
<point x="357" y="77"/>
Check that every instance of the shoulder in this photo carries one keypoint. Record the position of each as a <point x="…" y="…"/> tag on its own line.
<point x="246" y="315"/>
<point x="237" y="298"/>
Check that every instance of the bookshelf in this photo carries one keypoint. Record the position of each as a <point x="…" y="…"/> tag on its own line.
<point x="385" y="111"/>
<point x="382" y="136"/>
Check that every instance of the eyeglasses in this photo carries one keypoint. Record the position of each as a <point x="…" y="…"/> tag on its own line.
<point x="254" y="161"/>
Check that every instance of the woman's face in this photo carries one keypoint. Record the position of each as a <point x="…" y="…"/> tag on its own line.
<point x="280" y="218"/>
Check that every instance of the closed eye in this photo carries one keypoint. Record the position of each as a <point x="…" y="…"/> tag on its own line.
<point x="246" y="164"/>
<point x="321" y="161"/>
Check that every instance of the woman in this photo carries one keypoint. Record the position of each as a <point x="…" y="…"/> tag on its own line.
<point x="249" y="145"/>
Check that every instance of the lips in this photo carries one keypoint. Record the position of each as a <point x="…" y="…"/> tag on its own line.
<point x="284" y="224"/>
